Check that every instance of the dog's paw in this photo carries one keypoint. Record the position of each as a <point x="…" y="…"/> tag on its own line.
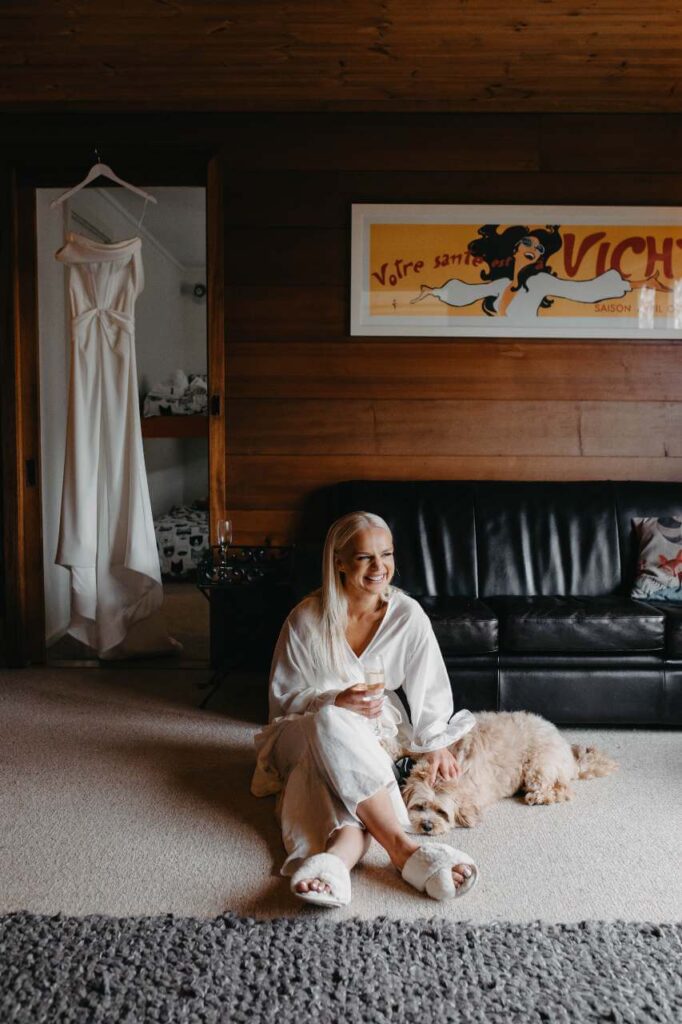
<point x="553" y="793"/>
<point x="468" y="816"/>
<point x="534" y="797"/>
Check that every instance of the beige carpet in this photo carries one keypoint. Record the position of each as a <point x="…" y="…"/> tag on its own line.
<point x="120" y="796"/>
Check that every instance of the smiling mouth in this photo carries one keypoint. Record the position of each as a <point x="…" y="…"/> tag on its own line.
<point x="376" y="579"/>
<point x="529" y="255"/>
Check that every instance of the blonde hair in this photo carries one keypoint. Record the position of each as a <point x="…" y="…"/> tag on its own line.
<point x="333" y="602"/>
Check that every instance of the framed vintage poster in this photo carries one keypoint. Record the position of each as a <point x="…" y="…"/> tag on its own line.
<point x="517" y="271"/>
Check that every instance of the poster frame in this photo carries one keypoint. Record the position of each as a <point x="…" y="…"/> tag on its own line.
<point x="446" y="323"/>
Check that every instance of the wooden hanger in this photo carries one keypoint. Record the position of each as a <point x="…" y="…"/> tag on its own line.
<point x="101" y="170"/>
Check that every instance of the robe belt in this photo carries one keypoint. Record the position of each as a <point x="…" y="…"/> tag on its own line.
<point x="110" y="319"/>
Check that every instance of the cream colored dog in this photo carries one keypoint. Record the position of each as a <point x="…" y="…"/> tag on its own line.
<point x="506" y="752"/>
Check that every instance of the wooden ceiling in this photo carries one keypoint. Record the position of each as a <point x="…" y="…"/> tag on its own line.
<point x="248" y="55"/>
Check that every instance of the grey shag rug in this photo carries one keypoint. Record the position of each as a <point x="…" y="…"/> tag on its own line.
<point x="91" y="969"/>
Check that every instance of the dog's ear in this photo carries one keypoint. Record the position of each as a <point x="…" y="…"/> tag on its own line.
<point x="468" y="815"/>
<point x="420" y="769"/>
<point x="406" y="789"/>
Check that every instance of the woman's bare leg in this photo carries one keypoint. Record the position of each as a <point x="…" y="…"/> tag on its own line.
<point x="379" y="818"/>
<point x="349" y="844"/>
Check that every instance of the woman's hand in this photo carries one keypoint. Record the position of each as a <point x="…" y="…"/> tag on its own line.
<point x="356" y="699"/>
<point x="441" y="762"/>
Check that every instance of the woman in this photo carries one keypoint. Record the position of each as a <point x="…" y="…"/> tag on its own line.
<point x="519" y="281"/>
<point x="322" y="751"/>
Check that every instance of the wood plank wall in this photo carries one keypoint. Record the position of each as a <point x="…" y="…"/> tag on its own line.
<point x="558" y="55"/>
<point x="309" y="405"/>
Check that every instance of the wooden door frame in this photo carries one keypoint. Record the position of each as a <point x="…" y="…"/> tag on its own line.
<point x="24" y="600"/>
<point x="215" y="310"/>
<point x="24" y="596"/>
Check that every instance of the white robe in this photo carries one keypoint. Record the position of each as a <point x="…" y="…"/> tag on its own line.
<point x="106" y="534"/>
<point x="324" y="760"/>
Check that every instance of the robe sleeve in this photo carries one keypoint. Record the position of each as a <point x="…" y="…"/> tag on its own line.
<point x="459" y="293"/>
<point x="609" y="285"/>
<point x="428" y="692"/>
<point x="295" y="681"/>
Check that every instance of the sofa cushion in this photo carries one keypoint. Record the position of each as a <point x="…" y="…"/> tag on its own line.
<point x="673" y="627"/>
<point x="540" y="539"/>
<point x="635" y="499"/>
<point x="673" y="633"/>
<point x="574" y="625"/>
<point x="462" y="625"/>
<point x="432" y="523"/>
<point x="659" y="569"/>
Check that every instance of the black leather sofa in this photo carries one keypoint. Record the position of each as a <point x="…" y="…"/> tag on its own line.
<point x="527" y="586"/>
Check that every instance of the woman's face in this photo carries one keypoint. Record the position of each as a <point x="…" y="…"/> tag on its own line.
<point x="528" y="251"/>
<point x="367" y="562"/>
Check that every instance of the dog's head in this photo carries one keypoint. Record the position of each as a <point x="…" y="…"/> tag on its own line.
<point x="431" y="810"/>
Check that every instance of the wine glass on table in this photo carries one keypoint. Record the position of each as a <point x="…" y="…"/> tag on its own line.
<point x="374" y="685"/>
<point x="224" y="533"/>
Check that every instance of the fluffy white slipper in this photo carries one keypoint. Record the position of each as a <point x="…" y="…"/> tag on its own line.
<point x="429" y="870"/>
<point x="330" y="869"/>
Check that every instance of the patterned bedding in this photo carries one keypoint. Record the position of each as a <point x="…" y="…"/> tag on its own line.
<point x="179" y="395"/>
<point x="181" y="540"/>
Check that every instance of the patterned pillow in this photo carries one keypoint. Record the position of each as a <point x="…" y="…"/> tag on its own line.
<point x="659" y="570"/>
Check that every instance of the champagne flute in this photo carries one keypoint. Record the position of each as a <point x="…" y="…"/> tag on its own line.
<point x="224" y="532"/>
<point x="374" y="685"/>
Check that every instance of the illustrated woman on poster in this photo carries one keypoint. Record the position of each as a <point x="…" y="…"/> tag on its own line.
<point x="519" y="280"/>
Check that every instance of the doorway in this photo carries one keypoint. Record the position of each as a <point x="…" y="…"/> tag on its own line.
<point x="180" y="364"/>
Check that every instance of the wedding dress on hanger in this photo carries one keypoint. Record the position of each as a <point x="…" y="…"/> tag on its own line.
<point x="106" y="534"/>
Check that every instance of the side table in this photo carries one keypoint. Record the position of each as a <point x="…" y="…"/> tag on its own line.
<point x="250" y="595"/>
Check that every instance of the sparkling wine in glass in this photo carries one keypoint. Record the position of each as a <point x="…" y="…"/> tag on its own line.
<point x="224" y="531"/>
<point x="375" y="683"/>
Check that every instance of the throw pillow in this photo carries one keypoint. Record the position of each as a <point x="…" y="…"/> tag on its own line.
<point x="659" y="569"/>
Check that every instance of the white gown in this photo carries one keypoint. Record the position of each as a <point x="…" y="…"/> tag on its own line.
<point x="323" y="760"/>
<point x="106" y="533"/>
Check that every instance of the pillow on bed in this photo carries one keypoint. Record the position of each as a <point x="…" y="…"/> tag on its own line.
<point x="659" y="568"/>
